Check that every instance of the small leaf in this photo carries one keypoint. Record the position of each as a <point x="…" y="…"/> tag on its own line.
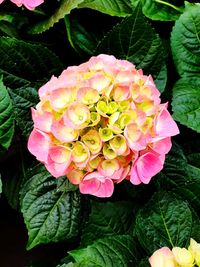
<point x="23" y="63"/>
<point x="50" y="215"/>
<point x="161" y="10"/>
<point x="118" y="250"/>
<point x="166" y="220"/>
<point x="186" y="102"/>
<point x="185" y="42"/>
<point x="107" y="219"/>
<point x="6" y="117"/>
<point x="24" y="98"/>
<point x="120" y="8"/>
<point x="65" y="8"/>
<point x="135" y="40"/>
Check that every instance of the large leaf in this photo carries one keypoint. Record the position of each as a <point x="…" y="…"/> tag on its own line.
<point x="194" y="160"/>
<point x="161" y="78"/>
<point x="135" y="40"/>
<point x="119" y="8"/>
<point x="119" y="250"/>
<point x="23" y="63"/>
<point x="24" y="98"/>
<point x="6" y="117"/>
<point x="186" y="102"/>
<point x="184" y="180"/>
<point x="175" y="158"/>
<point x="164" y="221"/>
<point x="161" y="10"/>
<point x="144" y="263"/>
<point x="80" y="39"/>
<point x="108" y="219"/>
<point x="12" y="183"/>
<point x="65" y="8"/>
<point x="50" y="214"/>
<point x="185" y="42"/>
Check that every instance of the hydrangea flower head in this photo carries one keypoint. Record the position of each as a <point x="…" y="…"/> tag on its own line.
<point x="99" y="123"/>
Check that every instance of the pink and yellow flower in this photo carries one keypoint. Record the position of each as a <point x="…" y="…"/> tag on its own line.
<point x="99" y="123"/>
<point x="163" y="257"/>
<point x="177" y="257"/>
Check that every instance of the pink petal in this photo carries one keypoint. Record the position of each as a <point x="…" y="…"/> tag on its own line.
<point x="63" y="133"/>
<point x="145" y="167"/>
<point x="97" y="185"/>
<point x="32" y="4"/>
<point x="106" y="189"/>
<point x="60" y="154"/>
<point x="162" y="146"/>
<point x="165" y="125"/>
<point x="57" y="169"/>
<point x="42" y="121"/>
<point x="39" y="144"/>
<point x="17" y="2"/>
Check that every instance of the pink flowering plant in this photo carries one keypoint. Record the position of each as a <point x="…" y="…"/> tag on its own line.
<point x="99" y="123"/>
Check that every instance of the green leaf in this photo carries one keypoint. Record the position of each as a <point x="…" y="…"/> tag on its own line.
<point x="8" y="29"/>
<point x="186" y="102"/>
<point x="161" y="78"/>
<point x="144" y="263"/>
<point x="80" y="39"/>
<point x="194" y="160"/>
<point x="120" y="8"/>
<point x="135" y="40"/>
<point x="166" y="220"/>
<point x="195" y="233"/>
<point x="184" y="180"/>
<point x="50" y="215"/>
<point x="12" y="183"/>
<point x="108" y="219"/>
<point x="185" y="42"/>
<point x="161" y="10"/>
<point x="6" y="117"/>
<point x="193" y="167"/>
<point x="119" y="250"/>
<point x="71" y="264"/>
<point x="23" y="63"/>
<point x="65" y="8"/>
<point x="24" y="98"/>
<point x="176" y="176"/>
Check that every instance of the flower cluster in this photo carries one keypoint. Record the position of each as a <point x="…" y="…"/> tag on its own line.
<point x="177" y="257"/>
<point x="29" y="4"/>
<point x="99" y="123"/>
